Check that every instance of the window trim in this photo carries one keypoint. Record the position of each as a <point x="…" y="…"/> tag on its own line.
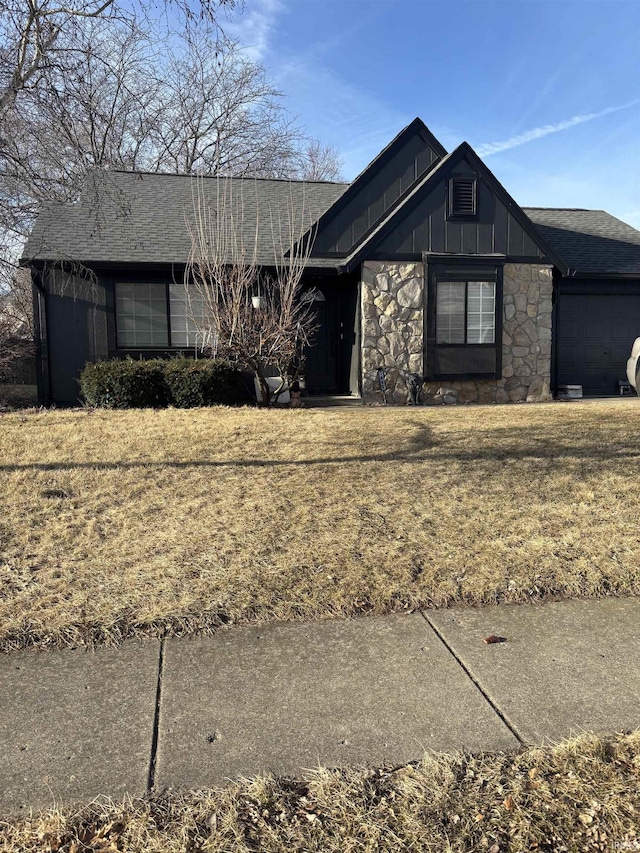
<point x="463" y="270"/>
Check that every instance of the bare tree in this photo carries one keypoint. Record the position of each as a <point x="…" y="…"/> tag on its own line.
<point x="114" y="95"/>
<point x="221" y="115"/>
<point x="318" y="162"/>
<point x="35" y="34"/>
<point x="244" y="311"/>
<point x="196" y="104"/>
<point x="96" y="112"/>
<point x="16" y="323"/>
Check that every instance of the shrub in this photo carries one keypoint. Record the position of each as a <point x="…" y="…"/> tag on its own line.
<point x="124" y="384"/>
<point x="182" y="382"/>
<point x="201" y="383"/>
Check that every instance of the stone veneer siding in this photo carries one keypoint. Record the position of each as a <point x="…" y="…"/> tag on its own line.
<point x="392" y="327"/>
<point x="393" y="306"/>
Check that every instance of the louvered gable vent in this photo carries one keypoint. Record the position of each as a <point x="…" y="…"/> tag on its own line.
<point x="462" y="197"/>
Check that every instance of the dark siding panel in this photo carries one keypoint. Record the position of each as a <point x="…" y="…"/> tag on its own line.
<point x="360" y="225"/>
<point x="376" y="209"/>
<point x="469" y="237"/>
<point x="402" y="239"/>
<point x="421" y="236"/>
<point x="453" y="237"/>
<point x="465" y="361"/>
<point x="424" y="159"/>
<point x="486" y="217"/>
<point x="500" y="228"/>
<point x="424" y="226"/>
<point x="380" y="192"/>
<point x="529" y="247"/>
<point x="437" y="210"/>
<point x="77" y="326"/>
<point x="391" y="193"/>
<point x="515" y="245"/>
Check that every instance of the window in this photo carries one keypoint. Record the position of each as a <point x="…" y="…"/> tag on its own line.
<point x="462" y="196"/>
<point x="463" y="319"/>
<point x="187" y="317"/>
<point x="141" y="315"/>
<point x="465" y="312"/>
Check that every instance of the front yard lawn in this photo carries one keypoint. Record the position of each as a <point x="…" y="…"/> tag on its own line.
<point x="114" y="524"/>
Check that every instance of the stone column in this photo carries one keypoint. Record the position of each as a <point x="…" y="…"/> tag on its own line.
<point x="526" y="331"/>
<point x="392" y="327"/>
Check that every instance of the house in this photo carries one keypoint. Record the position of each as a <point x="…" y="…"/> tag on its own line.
<point x="423" y="265"/>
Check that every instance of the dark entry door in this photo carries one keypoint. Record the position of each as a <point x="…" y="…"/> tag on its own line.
<point x="595" y="336"/>
<point x="321" y="368"/>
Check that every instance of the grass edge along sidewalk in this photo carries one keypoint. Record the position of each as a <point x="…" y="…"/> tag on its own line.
<point x="581" y="794"/>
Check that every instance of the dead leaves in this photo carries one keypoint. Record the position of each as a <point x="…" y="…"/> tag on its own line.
<point x="494" y="638"/>
<point x="103" y="839"/>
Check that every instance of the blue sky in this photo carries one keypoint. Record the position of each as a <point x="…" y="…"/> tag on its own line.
<point x="546" y="91"/>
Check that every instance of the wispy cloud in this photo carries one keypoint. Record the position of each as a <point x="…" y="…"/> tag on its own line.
<point x="254" y="27"/>
<point x="490" y="148"/>
<point x="355" y="121"/>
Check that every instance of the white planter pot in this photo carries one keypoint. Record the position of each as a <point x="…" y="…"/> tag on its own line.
<point x="259" y="302"/>
<point x="274" y="383"/>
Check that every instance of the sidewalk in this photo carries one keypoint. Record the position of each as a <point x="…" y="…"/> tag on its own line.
<point x="380" y="690"/>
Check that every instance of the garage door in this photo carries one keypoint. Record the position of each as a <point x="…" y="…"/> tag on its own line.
<point x="594" y="338"/>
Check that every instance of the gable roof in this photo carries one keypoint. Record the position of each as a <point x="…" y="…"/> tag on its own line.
<point x="132" y="217"/>
<point x="589" y="241"/>
<point x="416" y="126"/>
<point x="388" y="177"/>
<point x="422" y="187"/>
<point x="135" y="217"/>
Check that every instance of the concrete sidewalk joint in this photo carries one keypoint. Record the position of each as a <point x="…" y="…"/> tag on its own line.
<point x="76" y="724"/>
<point x="156" y="721"/>
<point x="279" y="697"/>
<point x="475" y="681"/>
<point x="566" y="667"/>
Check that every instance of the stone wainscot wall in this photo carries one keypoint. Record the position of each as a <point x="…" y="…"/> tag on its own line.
<point x="393" y="305"/>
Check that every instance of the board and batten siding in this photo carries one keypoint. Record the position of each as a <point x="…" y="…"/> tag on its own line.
<point x="368" y="200"/>
<point x="75" y="322"/>
<point x="423" y="226"/>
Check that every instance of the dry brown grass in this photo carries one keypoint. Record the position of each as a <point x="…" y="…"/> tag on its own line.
<point x="582" y="795"/>
<point x="121" y="523"/>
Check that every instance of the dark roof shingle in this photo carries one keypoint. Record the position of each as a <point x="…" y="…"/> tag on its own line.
<point x="589" y="241"/>
<point x="133" y="217"/>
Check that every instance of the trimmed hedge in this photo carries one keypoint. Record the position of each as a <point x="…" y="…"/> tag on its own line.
<point x="180" y="382"/>
<point x="205" y="382"/>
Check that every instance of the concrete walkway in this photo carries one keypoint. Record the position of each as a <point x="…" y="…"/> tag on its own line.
<point x="379" y="690"/>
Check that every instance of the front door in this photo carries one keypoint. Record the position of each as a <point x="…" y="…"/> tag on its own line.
<point x="321" y="368"/>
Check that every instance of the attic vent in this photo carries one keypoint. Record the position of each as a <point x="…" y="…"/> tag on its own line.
<point x="462" y="197"/>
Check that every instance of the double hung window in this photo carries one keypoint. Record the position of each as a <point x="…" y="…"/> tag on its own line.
<point x="141" y="315"/>
<point x="158" y="315"/>
<point x="466" y="312"/>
